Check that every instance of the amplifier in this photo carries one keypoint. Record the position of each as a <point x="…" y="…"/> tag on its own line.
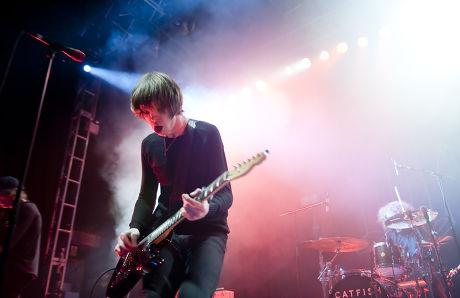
<point x="221" y="293"/>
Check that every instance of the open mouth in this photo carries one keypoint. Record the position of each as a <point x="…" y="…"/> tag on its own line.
<point x="158" y="128"/>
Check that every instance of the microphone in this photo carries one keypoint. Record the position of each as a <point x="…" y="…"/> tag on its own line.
<point x="326" y="203"/>
<point x="396" y="167"/>
<point x="72" y="53"/>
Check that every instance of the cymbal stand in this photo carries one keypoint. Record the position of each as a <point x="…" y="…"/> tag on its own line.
<point x="436" y="252"/>
<point x="297" y="253"/>
<point x="392" y="253"/>
<point x="409" y="216"/>
<point x="439" y="178"/>
<point x="321" y="277"/>
<point x="419" y="242"/>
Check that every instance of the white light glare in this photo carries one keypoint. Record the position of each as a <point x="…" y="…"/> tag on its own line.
<point x="305" y="63"/>
<point x="246" y="92"/>
<point x="288" y="70"/>
<point x="342" y="47"/>
<point x="363" y="42"/>
<point x="87" y="68"/>
<point x="297" y="67"/>
<point x="261" y="85"/>
<point x="429" y="31"/>
<point x="324" y="55"/>
<point x="385" y="33"/>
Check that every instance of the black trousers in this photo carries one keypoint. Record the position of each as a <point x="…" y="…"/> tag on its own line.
<point x="192" y="266"/>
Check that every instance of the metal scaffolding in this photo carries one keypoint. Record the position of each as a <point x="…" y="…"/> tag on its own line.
<point x="66" y="202"/>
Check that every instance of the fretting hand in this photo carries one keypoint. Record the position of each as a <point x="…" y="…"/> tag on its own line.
<point x="192" y="209"/>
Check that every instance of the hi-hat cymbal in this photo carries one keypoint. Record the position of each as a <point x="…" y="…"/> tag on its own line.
<point x="336" y="244"/>
<point x="409" y="219"/>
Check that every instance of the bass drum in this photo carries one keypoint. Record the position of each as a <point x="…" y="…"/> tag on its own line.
<point x="360" y="285"/>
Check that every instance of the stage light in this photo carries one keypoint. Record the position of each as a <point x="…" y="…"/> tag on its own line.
<point x="342" y="47"/>
<point x="324" y="55"/>
<point x="261" y="85"/>
<point x="124" y="81"/>
<point x="87" y="68"/>
<point x="305" y="63"/>
<point x="288" y="70"/>
<point x="427" y="32"/>
<point x="246" y="92"/>
<point x="385" y="33"/>
<point x="363" y="42"/>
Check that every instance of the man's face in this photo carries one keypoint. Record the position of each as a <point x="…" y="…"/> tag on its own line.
<point x="7" y="197"/>
<point x="161" y="123"/>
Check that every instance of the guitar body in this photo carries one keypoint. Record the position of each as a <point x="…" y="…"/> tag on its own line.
<point x="122" y="280"/>
<point x="131" y="267"/>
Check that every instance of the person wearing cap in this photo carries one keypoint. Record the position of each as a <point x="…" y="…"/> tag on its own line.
<point x="24" y="247"/>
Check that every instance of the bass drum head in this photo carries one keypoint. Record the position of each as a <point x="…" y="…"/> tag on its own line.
<point x="365" y="286"/>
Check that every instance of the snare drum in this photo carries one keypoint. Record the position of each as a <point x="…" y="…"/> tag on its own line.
<point x="388" y="260"/>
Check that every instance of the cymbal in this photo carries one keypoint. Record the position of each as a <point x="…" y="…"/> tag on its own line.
<point x="336" y="244"/>
<point x="409" y="219"/>
<point x="441" y="241"/>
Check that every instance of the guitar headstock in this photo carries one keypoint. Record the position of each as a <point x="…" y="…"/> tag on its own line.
<point x="243" y="168"/>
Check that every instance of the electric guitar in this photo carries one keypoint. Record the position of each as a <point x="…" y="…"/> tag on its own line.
<point x="145" y="257"/>
<point x="451" y="274"/>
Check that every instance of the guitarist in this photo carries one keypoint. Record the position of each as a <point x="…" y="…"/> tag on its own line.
<point x="181" y="155"/>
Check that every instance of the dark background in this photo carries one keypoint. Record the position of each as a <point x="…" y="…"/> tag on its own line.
<point x="343" y="131"/>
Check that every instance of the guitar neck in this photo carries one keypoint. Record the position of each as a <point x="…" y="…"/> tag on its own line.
<point x="163" y="230"/>
<point x="453" y="272"/>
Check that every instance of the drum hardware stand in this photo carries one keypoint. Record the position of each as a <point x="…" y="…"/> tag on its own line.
<point x="419" y="243"/>
<point x="325" y="203"/>
<point x="390" y="244"/>
<point x="321" y="265"/>
<point x="439" y="178"/>
<point x="409" y="216"/>
<point x="326" y="268"/>
<point x="436" y="252"/>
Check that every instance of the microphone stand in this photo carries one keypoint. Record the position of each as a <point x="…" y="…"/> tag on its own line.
<point x="16" y="206"/>
<point x="325" y="202"/>
<point x="409" y="216"/>
<point x="306" y="208"/>
<point x="439" y="177"/>
<point x="436" y="251"/>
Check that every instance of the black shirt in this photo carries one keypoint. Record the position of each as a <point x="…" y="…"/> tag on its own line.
<point x="192" y="160"/>
<point x="24" y="250"/>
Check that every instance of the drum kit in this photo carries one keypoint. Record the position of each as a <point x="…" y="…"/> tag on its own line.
<point x="394" y="272"/>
